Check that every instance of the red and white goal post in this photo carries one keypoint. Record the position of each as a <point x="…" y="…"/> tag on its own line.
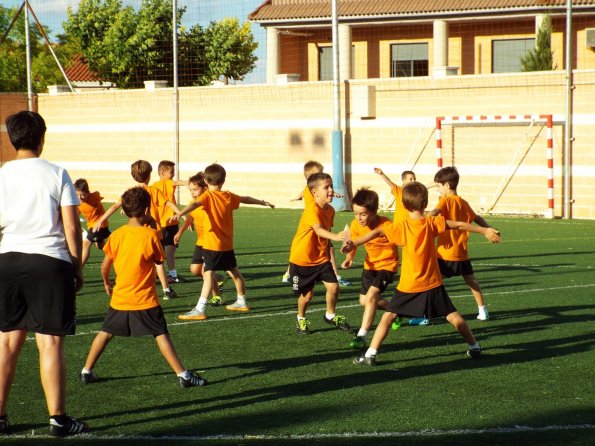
<point x="517" y="172"/>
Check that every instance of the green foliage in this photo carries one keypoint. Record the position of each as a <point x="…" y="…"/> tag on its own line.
<point x="541" y="57"/>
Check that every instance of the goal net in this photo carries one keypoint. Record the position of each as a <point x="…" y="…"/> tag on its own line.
<point x="505" y="162"/>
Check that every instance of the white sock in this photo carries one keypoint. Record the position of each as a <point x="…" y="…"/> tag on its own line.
<point x="371" y="352"/>
<point x="301" y="318"/>
<point x="86" y="371"/>
<point x="202" y="304"/>
<point x="476" y="345"/>
<point x="185" y="374"/>
<point x="482" y="309"/>
<point x="166" y="290"/>
<point x="362" y="333"/>
<point x="241" y="300"/>
<point x="173" y="273"/>
<point x="329" y="316"/>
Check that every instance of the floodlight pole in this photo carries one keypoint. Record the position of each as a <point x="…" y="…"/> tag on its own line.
<point x="28" y="56"/>
<point x="568" y="117"/>
<point x="176" y="96"/>
<point x="337" y="140"/>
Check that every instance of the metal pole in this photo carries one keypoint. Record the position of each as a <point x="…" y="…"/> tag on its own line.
<point x="568" y="116"/>
<point x="337" y="140"/>
<point x="28" y="55"/>
<point x="176" y="96"/>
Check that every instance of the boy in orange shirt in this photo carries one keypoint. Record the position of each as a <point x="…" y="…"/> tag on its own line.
<point x="218" y="253"/>
<point x="312" y="167"/>
<point x="407" y="176"/>
<point x="141" y="173"/>
<point x="167" y="185"/>
<point x="453" y="256"/>
<point x="309" y="257"/>
<point x="380" y="263"/>
<point x="420" y="290"/>
<point x="134" y="250"/>
<point x="197" y="185"/>
<point x="91" y="209"/>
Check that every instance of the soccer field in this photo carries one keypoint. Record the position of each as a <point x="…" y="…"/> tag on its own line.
<point x="533" y="385"/>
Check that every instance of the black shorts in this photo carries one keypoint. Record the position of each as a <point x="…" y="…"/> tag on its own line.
<point x="219" y="260"/>
<point x="36" y="294"/>
<point x="98" y="236"/>
<point x="430" y="304"/>
<point x="380" y="279"/>
<point x="303" y="278"/>
<point x="168" y="234"/>
<point x="150" y="322"/>
<point x="198" y="256"/>
<point x="450" y="269"/>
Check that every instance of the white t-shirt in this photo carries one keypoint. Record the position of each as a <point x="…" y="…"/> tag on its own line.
<point x="32" y="191"/>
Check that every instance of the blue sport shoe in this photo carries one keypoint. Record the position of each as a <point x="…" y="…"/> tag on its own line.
<point x="419" y="321"/>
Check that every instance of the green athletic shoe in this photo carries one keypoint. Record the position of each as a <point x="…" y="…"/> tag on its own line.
<point x="303" y="326"/>
<point x="357" y="343"/>
<point x="337" y="322"/>
<point x="215" y="301"/>
<point x="396" y="324"/>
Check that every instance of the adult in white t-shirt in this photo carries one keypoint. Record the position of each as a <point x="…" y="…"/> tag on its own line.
<point x="40" y="270"/>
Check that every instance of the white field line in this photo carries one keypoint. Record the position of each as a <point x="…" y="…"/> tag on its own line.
<point x="322" y="308"/>
<point x="329" y="436"/>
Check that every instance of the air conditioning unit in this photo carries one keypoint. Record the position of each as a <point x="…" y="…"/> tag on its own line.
<point x="590" y="37"/>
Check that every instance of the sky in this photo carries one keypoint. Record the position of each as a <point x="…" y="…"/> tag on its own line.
<point x="52" y="13"/>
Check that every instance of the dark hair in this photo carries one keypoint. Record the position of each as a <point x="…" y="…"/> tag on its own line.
<point x="215" y="175"/>
<point x="198" y="179"/>
<point x="82" y="185"/>
<point x="26" y="130"/>
<point x="448" y="175"/>
<point x="141" y="171"/>
<point x="165" y="165"/>
<point x="366" y="198"/>
<point x="315" y="179"/>
<point x="415" y="196"/>
<point x="135" y="202"/>
<point x="407" y="172"/>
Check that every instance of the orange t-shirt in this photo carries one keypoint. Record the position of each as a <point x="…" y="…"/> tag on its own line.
<point x="134" y="251"/>
<point x="419" y="264"/>
<point x="307" y="249"/>
<point x="198" y="217"/>
<point x="381" y="255"/>
<point x="308" y="197"/>
<point x="168" y="189"/>
<point x="158" y="209"/>
<point x="452" y="245"/>
<point x="400" y="212"/>
<point x="92" y="209"/>
<point x="218" y="227"/>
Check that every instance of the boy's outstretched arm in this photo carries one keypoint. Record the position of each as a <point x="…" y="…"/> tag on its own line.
<point x="180" y="213"/>
<point x="493" y="235"/>
<point x="386" y="179"/>
<point x="251" y="200"/>
<point x="186" y="225"/>
<point x="351" y="245"/>
<point x="117" y="205"/>
<point x="299" y="197"/>
<point x="481" y="222"/>
<point x="321" y="232"/>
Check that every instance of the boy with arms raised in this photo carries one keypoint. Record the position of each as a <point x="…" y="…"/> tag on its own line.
<point x="91" y="209"/>
<point x="380" y="263"/>
<point x="134" y="249"/>
<point x="141" y="173"/>
<point x="420" y="290"/>
<point x="407" y="176"/>
<point x="453" y="256"/>
<point x="218" y="253"/>
<point x="309" y="257"/>
<point x="167" y="185"/>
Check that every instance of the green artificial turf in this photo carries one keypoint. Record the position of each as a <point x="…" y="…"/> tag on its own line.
<point x="268" y="385"/>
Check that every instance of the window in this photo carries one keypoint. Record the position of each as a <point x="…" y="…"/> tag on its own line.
<point x="507" y="54"/>
<point x="408" y="59"/>
<point x="325" y="63"/>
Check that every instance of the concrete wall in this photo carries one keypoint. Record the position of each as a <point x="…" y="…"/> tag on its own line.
<point x="264" y="134"/>
<point x="9" y="104"/>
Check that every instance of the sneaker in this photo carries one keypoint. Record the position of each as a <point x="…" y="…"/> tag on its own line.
<point x="303" y="326"/>
<point x="285" y="278"/>
<point x="175" y="279"/>
<point x="193" y="380"/>
<point x="338" y="322"/>
<point x="396" y="324"/>
<point x="362" y="360"/>
<point x="193" y="315"/>
<point x="70" y="427"/>
<point x="483" y="315"/>
<point x="357" y="343"/>
<point x="4" y="425"/>
<point x="343" y="282"/>
<point x="171" y="294"/>
<point x="215" y="301"/>
<point x="419" y="321"/>
<point x="237" y="307"/>
<point x="474" y="352"/>
<point x="89" y="378"/>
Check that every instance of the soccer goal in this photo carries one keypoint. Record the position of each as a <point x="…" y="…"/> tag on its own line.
<point x="506" y="162"/>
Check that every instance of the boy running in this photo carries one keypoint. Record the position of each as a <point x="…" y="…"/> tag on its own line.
<point x="91" y="209"/>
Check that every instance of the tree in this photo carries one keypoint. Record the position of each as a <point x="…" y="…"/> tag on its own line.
<point x="540" y="58"/>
